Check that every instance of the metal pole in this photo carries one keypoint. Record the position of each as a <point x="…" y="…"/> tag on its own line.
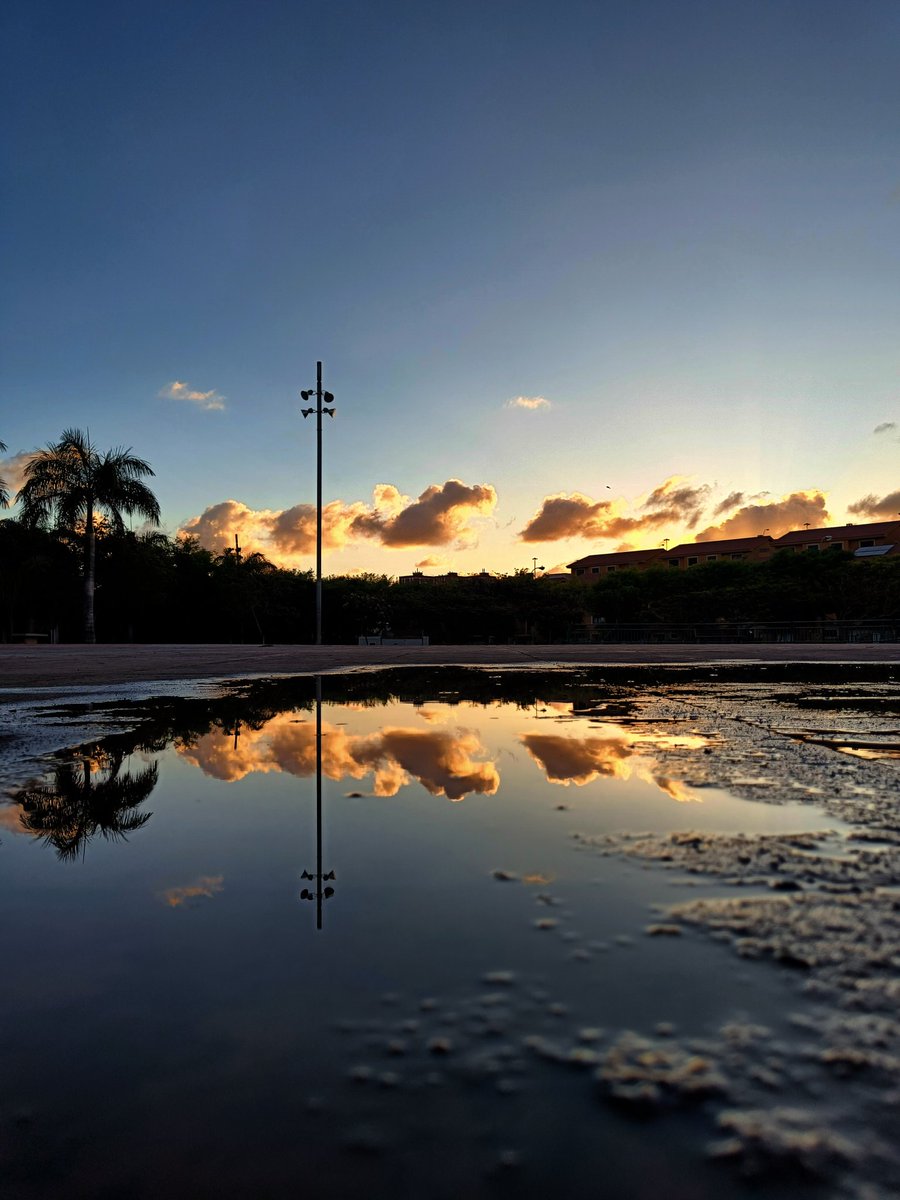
<point x="319" y="505"/>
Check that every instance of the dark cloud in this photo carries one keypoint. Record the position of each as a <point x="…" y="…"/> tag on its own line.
<point x="885" y="427"/>
<point x="730" y="502"/>
<point x="885" y="508"/>
<point x="775" y="518"/>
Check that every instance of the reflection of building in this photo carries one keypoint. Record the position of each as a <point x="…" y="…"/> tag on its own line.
<point x="862" y="541"/>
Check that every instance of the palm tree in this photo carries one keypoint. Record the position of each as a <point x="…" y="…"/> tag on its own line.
<point x="4" y="494"/>
<point x="86" y="799"/>
<point x="70" y="481"/>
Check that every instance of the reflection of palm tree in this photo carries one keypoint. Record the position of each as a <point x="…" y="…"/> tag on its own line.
<point x="78" y="805"/>
<point x="71" y="480"/>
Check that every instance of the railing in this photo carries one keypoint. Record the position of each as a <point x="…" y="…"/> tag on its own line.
<point x="746" y="632"/>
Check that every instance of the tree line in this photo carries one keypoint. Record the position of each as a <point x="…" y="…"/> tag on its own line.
<point x="69" y="564"/>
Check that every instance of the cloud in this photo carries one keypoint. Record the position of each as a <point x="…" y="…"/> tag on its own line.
<point x="433" y="560"/>
<point x="12" y="471"/>
<point x="731" y="501"/>
<point x="885" y="427"/>
<point x="205" y="887"/>
<point x="776" y="517"/>
<point x="568" y="515"/>
<point x="442" y="760"/>
<point x="442" y="515"/>
<point x="529" y="402"/>
<point x="211" y="401"/>
<point x="887" y="507"/>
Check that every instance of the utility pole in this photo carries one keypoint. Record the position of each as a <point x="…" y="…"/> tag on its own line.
<point x="308" y="412"/>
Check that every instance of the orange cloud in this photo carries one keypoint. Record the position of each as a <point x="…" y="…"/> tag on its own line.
<point x="576" y="515"/>
<point x="442" y="760"/>
<point x="887" y="508"/>
<point x="441" y="515"/>
<point x="775" y="518"/>
<point x="433" y="560"/>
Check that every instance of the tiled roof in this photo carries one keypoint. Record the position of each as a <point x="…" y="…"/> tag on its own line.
<point x="839" y="533"/>
<point x="729" y="546"/>
<point x="617" y="558"/>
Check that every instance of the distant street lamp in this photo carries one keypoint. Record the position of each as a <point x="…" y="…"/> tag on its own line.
<point x="308" y="412"/>
<point x="535" y="568"/>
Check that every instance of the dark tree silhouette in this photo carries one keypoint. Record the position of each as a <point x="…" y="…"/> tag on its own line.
<point x="87" y="797"/>
<point x="70" y="481"/>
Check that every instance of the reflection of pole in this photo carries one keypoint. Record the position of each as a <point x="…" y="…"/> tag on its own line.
<point x="320" y="893"/>
<point x="319" y="774"/>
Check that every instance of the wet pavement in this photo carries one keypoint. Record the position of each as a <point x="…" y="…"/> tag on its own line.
<point x="629" y="930"/>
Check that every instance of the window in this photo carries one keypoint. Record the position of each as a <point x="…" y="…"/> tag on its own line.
<point x="595" y="570"/>
<point x="673" y="562"/>
<point x="812" y="549"/>
<point x="579" y="571"/>
<point x="692" y="562"/>
<point x="738" y="556"/>
<point x="868" y="542"/>
<point x="608" y="569"/>
<point x="711" y="557"/>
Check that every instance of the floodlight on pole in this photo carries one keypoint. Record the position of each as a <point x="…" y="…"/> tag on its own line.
<point x="328" y="398"/>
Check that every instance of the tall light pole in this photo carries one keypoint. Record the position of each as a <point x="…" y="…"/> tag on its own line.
<point x="308" y="412"/>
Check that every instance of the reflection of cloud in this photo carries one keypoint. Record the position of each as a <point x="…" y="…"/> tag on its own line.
<point x="442" y="760"/>
<point x="206" y="886"/>
<point x="11" y="818"/>
<point x="887" y="507"/>
<point x="614" y="752"/>
<point x="443" y="514"/>
<point x="578" y="760"/>
<point x="211" y="401"/>
<point x="777" y="517"/>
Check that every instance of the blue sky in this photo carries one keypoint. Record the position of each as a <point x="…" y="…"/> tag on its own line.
<point x="677" y="223"/>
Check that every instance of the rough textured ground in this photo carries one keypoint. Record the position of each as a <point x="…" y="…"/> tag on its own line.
<point x="72" y="665"/>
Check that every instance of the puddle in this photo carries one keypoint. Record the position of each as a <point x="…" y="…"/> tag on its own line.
<point x="242" y="998"/>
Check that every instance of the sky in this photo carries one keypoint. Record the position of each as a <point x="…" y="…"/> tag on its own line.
<point x="583" y="275"/>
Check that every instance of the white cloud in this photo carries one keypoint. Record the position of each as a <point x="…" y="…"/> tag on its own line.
<point x="211" y="401"/>
<point x="531" y="402"/>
